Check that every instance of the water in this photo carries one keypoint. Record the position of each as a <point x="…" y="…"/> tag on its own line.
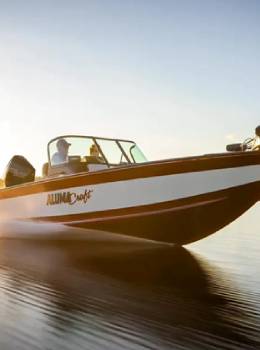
<point x="123" y="294"/>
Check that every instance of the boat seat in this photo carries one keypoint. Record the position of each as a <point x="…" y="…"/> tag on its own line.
<point x="45" y="168"/>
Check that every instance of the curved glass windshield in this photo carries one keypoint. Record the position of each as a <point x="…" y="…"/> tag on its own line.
<point x="138" y="155"/>
<point x="133" y="152"/>
<point x="94" y="150"/>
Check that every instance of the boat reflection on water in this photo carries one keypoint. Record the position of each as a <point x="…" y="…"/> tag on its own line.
<point x="75" y="295"/>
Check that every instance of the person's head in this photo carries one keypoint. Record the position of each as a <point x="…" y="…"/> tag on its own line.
<point x="63" y="146"/>
<point x="257" y="130"/>
<point x="93" y="151"/>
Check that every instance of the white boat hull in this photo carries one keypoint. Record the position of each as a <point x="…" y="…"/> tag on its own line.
<point x="161" y="203"/>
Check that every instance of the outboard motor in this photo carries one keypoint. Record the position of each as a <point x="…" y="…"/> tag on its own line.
<point x="18" y="171"/>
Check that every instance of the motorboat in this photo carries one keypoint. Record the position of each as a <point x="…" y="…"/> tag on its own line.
<point x="108" y="184"/>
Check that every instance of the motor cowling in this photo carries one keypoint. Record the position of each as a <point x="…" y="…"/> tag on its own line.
<point x="18" y="171"/>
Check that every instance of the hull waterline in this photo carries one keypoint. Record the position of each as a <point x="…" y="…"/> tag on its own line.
<point x="176" y="201"/>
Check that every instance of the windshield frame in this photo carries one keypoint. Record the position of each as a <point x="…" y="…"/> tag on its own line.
<point x="95" y="141"/>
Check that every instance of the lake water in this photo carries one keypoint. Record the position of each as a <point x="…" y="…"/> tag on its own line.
<point x="113" y="294"/>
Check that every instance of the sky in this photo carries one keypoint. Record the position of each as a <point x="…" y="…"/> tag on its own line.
<point x="178" y="77"/>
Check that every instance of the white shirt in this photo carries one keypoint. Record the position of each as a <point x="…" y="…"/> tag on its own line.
<point x="58" y="158"/>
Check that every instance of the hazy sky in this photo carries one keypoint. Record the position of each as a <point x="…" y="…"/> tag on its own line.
<point x="179" y="77"/>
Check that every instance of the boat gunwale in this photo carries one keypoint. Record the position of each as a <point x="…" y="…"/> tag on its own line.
<point x="135" y="171"/>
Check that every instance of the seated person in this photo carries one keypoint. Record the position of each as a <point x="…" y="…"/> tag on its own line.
<point x="61" y="156"/>
<point x="94" y="155"/>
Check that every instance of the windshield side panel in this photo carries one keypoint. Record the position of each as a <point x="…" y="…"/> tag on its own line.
<point x="133" y="152"/>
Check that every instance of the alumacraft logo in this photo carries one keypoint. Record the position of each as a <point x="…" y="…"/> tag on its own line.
<point x="68" y="197"/>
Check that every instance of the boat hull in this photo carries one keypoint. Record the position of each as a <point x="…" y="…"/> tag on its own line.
<point x="176" y="201"/>
<point x="182" y="223"/>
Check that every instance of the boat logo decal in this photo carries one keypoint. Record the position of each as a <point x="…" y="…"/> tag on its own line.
<point x="69" y="198"/>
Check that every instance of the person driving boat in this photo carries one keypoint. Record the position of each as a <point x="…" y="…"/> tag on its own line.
<point x="61" y="156"/>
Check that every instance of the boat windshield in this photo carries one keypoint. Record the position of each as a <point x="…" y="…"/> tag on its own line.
<point x="86" y="148"/>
